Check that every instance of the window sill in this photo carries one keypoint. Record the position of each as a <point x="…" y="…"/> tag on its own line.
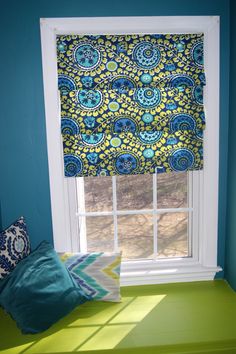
<point x="166" y="274"/>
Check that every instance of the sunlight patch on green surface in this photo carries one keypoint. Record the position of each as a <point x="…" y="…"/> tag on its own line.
<point x="107" y="338"/>
<point x="197" y="317"/>
<point x="18" y="349"/>
<point x="138" y="309"/>
<point x="101" y="330"/>
<point x="66" y="340"/>
<point x="89" y="316"/>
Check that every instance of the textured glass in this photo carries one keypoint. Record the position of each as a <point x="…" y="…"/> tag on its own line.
<point x="135" y="233"/>
<point x="134" y="192"/>
<point x="173" y="235"/>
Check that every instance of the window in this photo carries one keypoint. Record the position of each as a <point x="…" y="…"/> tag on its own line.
<point x="145" y="216"/>
<point x="76" y="220"/>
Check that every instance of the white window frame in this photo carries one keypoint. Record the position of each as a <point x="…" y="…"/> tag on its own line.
<point x="203" y="266"/>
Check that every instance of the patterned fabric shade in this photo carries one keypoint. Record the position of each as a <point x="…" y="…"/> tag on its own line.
<point x="131" y="104"/>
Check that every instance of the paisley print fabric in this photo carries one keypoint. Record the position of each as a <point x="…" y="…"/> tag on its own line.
<point x="14" y="246"/>
<point x="131" y="104"/>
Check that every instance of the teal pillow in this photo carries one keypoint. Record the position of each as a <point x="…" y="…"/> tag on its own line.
<point x="39" y="291"/>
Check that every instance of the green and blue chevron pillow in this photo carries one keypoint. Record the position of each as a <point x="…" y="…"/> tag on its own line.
<point x="98" y="274"/>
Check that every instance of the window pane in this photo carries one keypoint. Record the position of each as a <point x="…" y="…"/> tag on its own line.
<point x="98" y="193"/>
<point x="135" y="233"/>
<point x="134" y="192"/>
<point x="172" y="190"/>
<point x="100" y="233"/>
<point x="172" y="235"/>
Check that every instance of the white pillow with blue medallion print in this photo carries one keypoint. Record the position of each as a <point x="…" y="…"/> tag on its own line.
<point x="97" y="273"/>
<point x="14" y="246"/>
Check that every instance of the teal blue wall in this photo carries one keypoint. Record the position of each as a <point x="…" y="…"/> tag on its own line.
<point x="24" y="185"/>
<point x="230" y="264"/>
<point x="0" y="216"/>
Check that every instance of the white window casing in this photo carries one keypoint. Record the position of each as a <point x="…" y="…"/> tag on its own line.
<point x="203" y="263"/>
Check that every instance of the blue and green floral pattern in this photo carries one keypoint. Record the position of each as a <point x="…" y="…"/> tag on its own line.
<point x="131" y="104"/>
<point x="127" y="153"/>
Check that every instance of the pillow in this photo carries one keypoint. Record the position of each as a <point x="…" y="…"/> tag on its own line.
<point x="14" y="246"/>
<point x="39" y="291"/>
<point x="98" y="274"/>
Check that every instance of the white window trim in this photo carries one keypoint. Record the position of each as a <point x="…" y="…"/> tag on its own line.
<point x="145" y="272"/>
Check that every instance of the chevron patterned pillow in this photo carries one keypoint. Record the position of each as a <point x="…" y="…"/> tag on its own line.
<point x="97" y="273"/>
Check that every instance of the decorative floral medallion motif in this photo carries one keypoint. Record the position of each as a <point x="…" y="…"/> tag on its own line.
<point x="197" y="54"/>
<point x="65" y="84"/>
<point x="182" y="122"/>
<point x="73" y="165"/>
<point x="14" y="246"/>
<point x="126" y="163"/>
<point x="148" y="97"/>
<point x="87" y="57"/>
<point x="199" y="134"/>
<point x="124" y="125"/>
<point x="181" y="82"/>
<point x="146" y="55"/>
<point x="69" y="126"/>
<point x="92" y="139"/>
<point x="89" y="99"/>
<point x="198" y="94"/>
<point x="150" y="137"/>
<point x="181" y="160"/>
<point x="122" y="84"/>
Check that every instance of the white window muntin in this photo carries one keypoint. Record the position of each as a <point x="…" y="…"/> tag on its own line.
<point x="155" y="211"/>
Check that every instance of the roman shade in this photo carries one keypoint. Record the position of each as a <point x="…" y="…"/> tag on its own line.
<point x="131" y="104"/>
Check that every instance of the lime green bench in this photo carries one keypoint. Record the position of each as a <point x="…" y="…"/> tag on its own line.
<point x="175" y="318"/>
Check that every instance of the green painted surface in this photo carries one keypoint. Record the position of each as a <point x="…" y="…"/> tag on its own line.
<point x="175" y="318"/>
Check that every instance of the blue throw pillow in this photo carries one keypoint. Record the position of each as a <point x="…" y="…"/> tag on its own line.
<point x="39" y="291"/>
